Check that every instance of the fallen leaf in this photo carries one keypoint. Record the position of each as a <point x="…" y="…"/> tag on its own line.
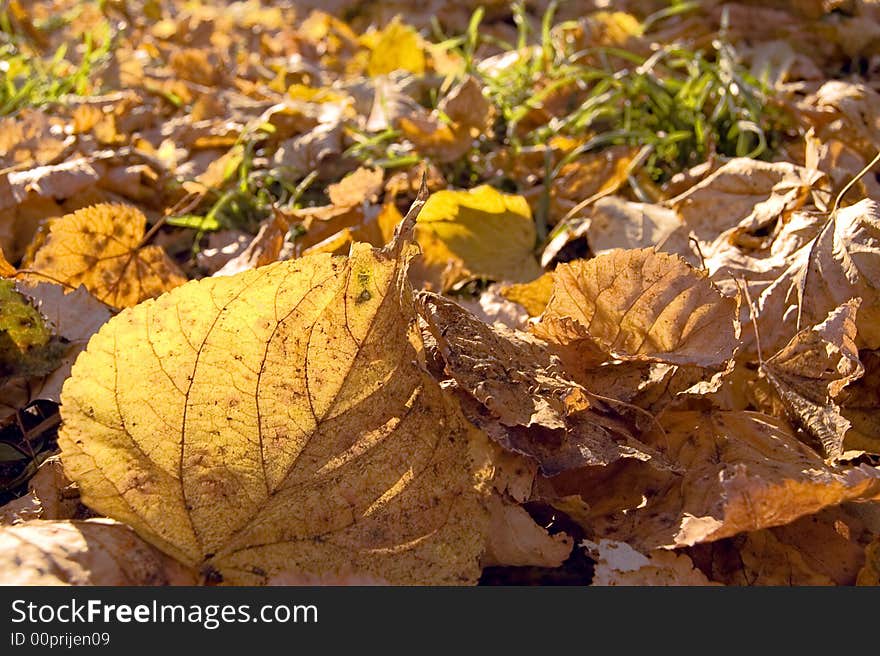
<point x="855" y="109"/>
<point x="812" y="370"/>
<point x="100" y="247"/>
<point x="638" y="305"/>
<point x="90" y="552"/>
<point x="264" y="248"/>
<point x="20" y="510"/>
<point x="319" y="444"/>
<point x="619" y="223"/>
<point x="744" y="193"/>
<point x="870" y="573"/>
<point x="820" y="549"/>
<point x="515" y="540"/>
<point x="27" y="346"/>
<point x="742" y="471"/>
<point x="480" y="233"/>
<point x="543" y="415"/>
<point x="491" y="307"/>
<point x="841" y="263"/>
<point x="360" y="186"/>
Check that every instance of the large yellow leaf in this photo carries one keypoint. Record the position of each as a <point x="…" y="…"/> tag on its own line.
<point x="99" y="247"/>
<point x="638" y="305"/>
<point x="280" y="422"/>
<point x="477" y="233"/>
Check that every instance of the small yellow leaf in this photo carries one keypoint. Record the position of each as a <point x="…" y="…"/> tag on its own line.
<point x="533" y="296"/>
<point x="398" y="47"/>
<point x="480" y="233"/>
<point x="99" y="247"/>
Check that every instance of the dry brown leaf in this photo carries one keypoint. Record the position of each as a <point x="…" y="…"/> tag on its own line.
<point x="822" y="549"/>
<point x="100" y="248"/>
<point x="515" y="540"/>
<point x="855" y="109"/>
<point x="491" y="307"/>
<point x="58" y="497"/>
<point x="32" y="137"/>
<point x="468" y="115"/>
<point x="870" y="573"/>
<point x="90" y="552"/>
<point x="360" y="186"/>
<point x="812" y="370"/>
<point x="468" y="108"/>
<point x="617" y="563"/>
<point x="619" y="223"/>
<point x="20" y="510"/>
<point x="860" y="404"/>
<point x="841" y="263"/>
<point x="542" y="414"/>
<point x="305" y="435"/>
<point x="638" y="305"/>
<point x="744" y="193"/>
<point x="742" y="471"/>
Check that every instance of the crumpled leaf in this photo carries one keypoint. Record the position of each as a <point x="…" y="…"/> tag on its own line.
<point x="617" y="563"/>
<point x="744" y="193"/>
<point x="90" y="552"/>
<point x="542" y="414"/>
<point x="638" y="305"/>
<point x="821" y="549"/>
<point x="515" y="540"/>
<point x="812" y="370"/>
<point x="281" y="422"/>
<point x="841" y="263"/>
<point x="741" y="471"/>
<point x="860" y="405"/>
<point x="480" y="233"/>
<point x="855" y="108"/>
<point x="100" y="247"/>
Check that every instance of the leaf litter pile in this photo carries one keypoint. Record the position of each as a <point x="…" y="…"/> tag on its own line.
<point x="535" y="293"/>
